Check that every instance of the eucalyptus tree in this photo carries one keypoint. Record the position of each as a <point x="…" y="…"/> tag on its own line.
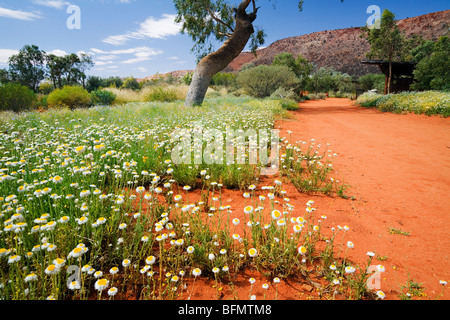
<point x="230" y="23"/>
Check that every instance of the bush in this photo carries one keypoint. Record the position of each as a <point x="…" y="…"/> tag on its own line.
<point x="262" y="81"/>
<point x="427" y="102"/>
<point x="161" y="94"/>
<point x="433" y="71"/>
<point x="103" y="97"/>
<point x="69" y="96"/>
<point x="15" y="97"/>
<point x="372" y="81"/>
<point x="282" y="93"/>
<point x="224" y="79"/>
<point x="368" y="99"/>
<point x="289" y="104"/>
<point x="131" y="83"/>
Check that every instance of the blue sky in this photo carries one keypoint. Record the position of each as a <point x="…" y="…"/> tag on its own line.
<point x="139" y="37"/>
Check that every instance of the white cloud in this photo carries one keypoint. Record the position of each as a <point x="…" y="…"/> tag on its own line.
<point x="139" y="54"/>
<point x="58" y="53"/>
<point x="150" y="28"/>
<point x="5" y="54"/>
<point x="55" y="4"/>
<point x="106" y="57"/>
<point x="103" y="63"/>
<point x="18" y="14"/>
<point x="142" y="69"/>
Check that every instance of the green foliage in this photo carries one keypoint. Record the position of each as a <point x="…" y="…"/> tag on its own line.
<point x="69" y="69"/>
<point x="114" y="82"/>
<point x="289" y="104"/>
<point x="427" y="102"/>
<point x="300" y="66"/>
<point x="102" y="97"/>
<point x="262" y="81"/>
<point x="433" y="70"/>
<point x="368" y="99"/>
<point x="69" y="96"/>
<point x="131" y="83"/>
<point x="327" y="79"/>
<point x="224" y="79"/>
<point x="387" y="42"/>
<point x="187" y="78"/>
<point x="45" y="88"/>
<point x="372" y="81"/>
<point x="16" y="97"/>
<point x="282" y="93"/>
<point x="28" y="67"/>
<point x="161" y="94"/>
<point x="4" y="76"/>
<point x="94" y="83"/>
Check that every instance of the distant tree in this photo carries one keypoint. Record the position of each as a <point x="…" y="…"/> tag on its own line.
<point x="286" y="59"/>
<point x="187" y="78"/>
<point x="114" y="82"/>
<point x="433" y="70"/>
<point x="206" y="21"/>
<point x="226" y="79"/>
<point x="4" y="76"/>
<point x="372" y="81"/>
<point x="387" y="42"/>
<point x="28" y="67"/>
<point x="94" y="83"/>
<point x="263" y="80"/>
<point x="45" y="87"/>
<point x="69" y="69"/>
<point x="322" y="80"/>
<point x="131" y="83"/>
<point x="300" y="66"/>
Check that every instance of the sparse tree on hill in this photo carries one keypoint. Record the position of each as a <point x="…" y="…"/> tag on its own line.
<point x="387" y="42"/>
<point x="205" y="20"/>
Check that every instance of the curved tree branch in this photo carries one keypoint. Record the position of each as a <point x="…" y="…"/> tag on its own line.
<point x="211" y="13"/>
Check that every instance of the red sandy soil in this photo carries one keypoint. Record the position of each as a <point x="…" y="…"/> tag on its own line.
<point x="397" y="167"/>
<point x="399" y="172"/>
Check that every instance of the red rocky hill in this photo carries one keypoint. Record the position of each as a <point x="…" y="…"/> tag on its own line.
<point x="342" y="49"/>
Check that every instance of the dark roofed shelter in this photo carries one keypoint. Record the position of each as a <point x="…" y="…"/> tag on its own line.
<point x="402" y="74"/>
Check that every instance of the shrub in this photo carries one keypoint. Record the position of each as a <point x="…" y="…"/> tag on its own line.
<point x="262" y="81"/>
<point x="372" y="81"/>
<point x="69" y="96"/>
<point x="103" y="97"/>
<point x="224" y="79"/>
<point x="45" y="88"/>
<point x="131" y="83"/>
<point x="427" y="102"/>
<point x="161" y="94"/>
<point x="368" y="99"/>
<point x="282" y="93"/>
<point x="16" y="97"/>
<point x="289" y="104"/>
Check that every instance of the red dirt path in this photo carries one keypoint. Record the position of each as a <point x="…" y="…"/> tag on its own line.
<point x="398" y="167"/>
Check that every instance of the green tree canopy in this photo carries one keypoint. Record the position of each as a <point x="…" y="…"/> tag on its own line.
<point x="387" y="42"/>
<point x="28" y="67"/>
<point x="433" y="70"/>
